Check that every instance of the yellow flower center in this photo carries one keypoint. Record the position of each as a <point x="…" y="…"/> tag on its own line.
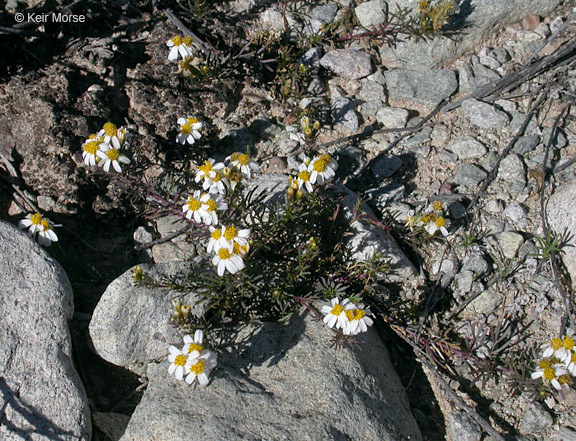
<point x="304" y="176"/>
<point x="568" y="343"/>
<point x="230" y="233"/>
<point x="192" y="121"/>
<point x="437" y="205"/>
<point x="187" y="40"/>
<point x="211" y="205"/>
<point x="180" y="360"/>
<point x="337" y="309"/>
<point x="216" y="234"/>
<point x="46" y="225"/>
<point x="185" y="128"/>
<point x="36" y="218"/>
<point x="326" y="158"/>
<point x="110" y="129"/>
<point x="242" y="158"/>
<point x="91" y="147"/>
<point x="176" y="40"/>
<point x="425" y="218"/>
<point x="573" y="358"/>
<point x="319" y="166"/>
<point x="355" y="314"/>
<point x="556" y="343"/>
<point x="194" y="204"/>
<point x="217" y="177"/>
<point x="113" y="154"/>
<point x="224" y="254"/>
<point x="206" y="167"/>
<point x="198" y="368"/>
<point x="195" y="347"/>
<point x="565" y="379"/>
<point x="549" y="373"/>
<point x="440" y="222"/>
<point x="545" y="363"/>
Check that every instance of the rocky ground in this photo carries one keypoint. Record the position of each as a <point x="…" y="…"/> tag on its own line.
<point x="480" y="119"/>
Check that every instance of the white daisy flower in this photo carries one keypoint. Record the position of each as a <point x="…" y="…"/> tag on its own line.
<point x="213" y="244"/>
<point x="211" y="204"/>
<point x="230" y="235"/>
<point x="193" y="207"/>
<point x="179" y="46"/>
<point x="90" y="148"/>
<point x="320" y="171"/>
<point x="243" y="162"/>
<point x="41" y="225"/>
<point x="357" y="320"/>
<point x="435" y="223"/>
<point x="560" y="348"/>
<point x="335" y="313"/>
<point x="200" y="367"/>
<point x="111" y="156"/>
<point x="192" y="344"/>
<point x="209" y="174"/>
<point x="113" y="136"/>
<point x="224" y="259"/>
<point x="303" y="178"/>
<point x="177" y="359"/>
<point x="189" y="130"/>
<point x="551" y="371"/>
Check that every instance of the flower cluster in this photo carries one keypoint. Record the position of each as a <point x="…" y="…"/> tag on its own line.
<point x="227" y="244"/>
<point x="316" y="171"/>
<point x="558" y="363"/>
<point x="431" y="220"/>
<point x="350" y="317"/>
<point x="192" y="361"/>
<point x="308" y="131"/>
<point x="106" y="148"/>
<point x="37" y="224"/>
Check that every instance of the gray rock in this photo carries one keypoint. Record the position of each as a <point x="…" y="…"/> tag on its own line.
<point x="385" y="167"/>
<point x="565" y="434"/>
<point x="381" y="197"/>
<point x="469" y="175"/>
<point x="484" y="115"/>
<point x="173" y="251"/>
<point x="440" y="135"/>
<point x="555" y="26"/>
<point x="130" y="326"/>
<point x="474" y="76"/>
<point x="559" y="141"/>
<point x="495" y="226"/>
<point x="481" y="20"/>
<point x="526" y="144"/>
<point x="512" y="171"/>
<point x="425" y="88"/>
<point x="462" y="428"/>
<point x="269" y="188"/>
<point x="371" y="13"/>
<point x="42" y="397"/>
<point x="477" y="265"/>
<point x="510" y="242"/>
<point x="456" y="210"/>
<point x="281" y="381"/>
<point x="528" y="250"/>
<point x="344" y="115"/>
<point x="348" y="63"/>
<point x="422" y="137"/>
<point x="366" y="239"/>
<point x="518" y="119"/>
<point x="170" y="224"/>
<point x="312" y="57"/>
<point x="485" y="303"/>
<point x="324" y="13"/>
<point x="112" y="424"/>
<point x="490" y="62"/>
<point x="392" y="117"/>
<point x="372" y="91"/>
<point x="467" y="147"/>
<point x="535" y="420"/>
<point x="464" y="280"/>
<point x="562" y="203"/>
<point x="515" y="212"/>
<point x="370" y="108"/>
<point x="501" y="54"/>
